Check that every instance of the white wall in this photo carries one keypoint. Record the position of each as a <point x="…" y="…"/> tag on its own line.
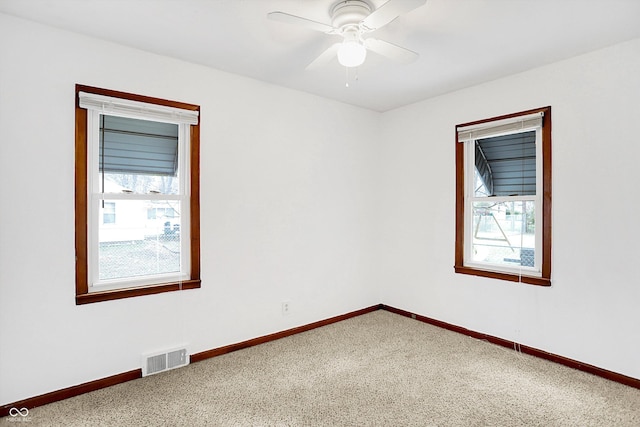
<point x="285" y="202"/>
<point x="332" y="207"/>
<point x="591" y="312"/>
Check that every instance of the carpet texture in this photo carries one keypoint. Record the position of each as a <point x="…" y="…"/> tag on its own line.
<point x="379" y="369"/>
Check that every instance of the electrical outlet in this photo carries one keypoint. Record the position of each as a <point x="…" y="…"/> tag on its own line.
<point x="286" y="306"/>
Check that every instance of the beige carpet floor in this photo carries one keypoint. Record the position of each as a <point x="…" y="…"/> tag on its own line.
<point x="379" y="369"/>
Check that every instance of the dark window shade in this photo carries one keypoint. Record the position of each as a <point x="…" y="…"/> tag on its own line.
<point x="507" y="164"/>
<point x="138" y="146"/>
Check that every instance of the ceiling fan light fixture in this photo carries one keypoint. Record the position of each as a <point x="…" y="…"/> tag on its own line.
<point x="352" y="53"/>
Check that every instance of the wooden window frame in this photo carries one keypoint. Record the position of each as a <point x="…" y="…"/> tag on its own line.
<point x="83" y="295"/>
<point x="545" y="278"/>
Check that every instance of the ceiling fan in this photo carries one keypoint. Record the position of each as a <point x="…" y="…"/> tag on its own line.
<point x="353" y="19"/>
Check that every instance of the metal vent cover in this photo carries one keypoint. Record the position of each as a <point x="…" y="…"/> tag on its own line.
<point x="160" y="361"/>
<point x="156" y="364"/>
<point x="176" y="358"/>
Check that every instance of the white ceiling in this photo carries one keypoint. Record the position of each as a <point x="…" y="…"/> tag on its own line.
<point x="461" y="42"/>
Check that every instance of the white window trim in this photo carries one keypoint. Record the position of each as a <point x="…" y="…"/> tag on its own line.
<point x="97" y="105"/>
<point x="469" y="134"/>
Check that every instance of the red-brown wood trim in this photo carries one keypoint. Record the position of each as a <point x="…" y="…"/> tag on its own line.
<point x="546" y="194"/>
<point x="82" y="286"/>
<point x="194" y="208"/>
<point x="76" y="390"/>
<point x="531" y="280"/>
<point x="137" y="373"/>
<point x="594" y="370"/>
<point x="134" y="97"/>
<point x="459" y="257"/>
<point x="83" y="296"/>
<point x="197" y="357"/>
<point x="505" y="116"/>
<point x="114" y="294"/>
<point x="459" y="267"/>
<point x="72" y="391"/>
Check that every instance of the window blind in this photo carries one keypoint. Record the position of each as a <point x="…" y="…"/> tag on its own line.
<point x="138" y="146"/>
<point x="128" y="108"/>
<point x="499" y="127"/>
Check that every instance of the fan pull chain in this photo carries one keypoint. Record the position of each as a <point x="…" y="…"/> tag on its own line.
<point x="355" y="77"/>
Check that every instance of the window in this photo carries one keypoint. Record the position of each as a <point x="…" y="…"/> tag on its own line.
<point x="503" y="197"/>
<point x="137" y="195"/>
<point x="109" y="213"/>
<point x="161" y="212"/>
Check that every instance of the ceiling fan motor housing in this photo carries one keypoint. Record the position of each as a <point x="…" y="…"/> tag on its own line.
<point x="349" y="13"/>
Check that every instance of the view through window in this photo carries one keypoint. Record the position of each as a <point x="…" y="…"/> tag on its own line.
<point x="503" y="198"/>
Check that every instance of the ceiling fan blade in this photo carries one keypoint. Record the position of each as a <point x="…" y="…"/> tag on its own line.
<point x="325" y="57"/>
<point x="298" y="20"/>
<point x="390" y="11"/>
<point x="391" y="50"/>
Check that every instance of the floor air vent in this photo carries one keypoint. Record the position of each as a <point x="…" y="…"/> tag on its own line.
<point x="153" y="363"/>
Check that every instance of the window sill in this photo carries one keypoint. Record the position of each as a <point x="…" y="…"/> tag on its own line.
<point x="531" y="280"/>
<point x="113" y="294"/>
